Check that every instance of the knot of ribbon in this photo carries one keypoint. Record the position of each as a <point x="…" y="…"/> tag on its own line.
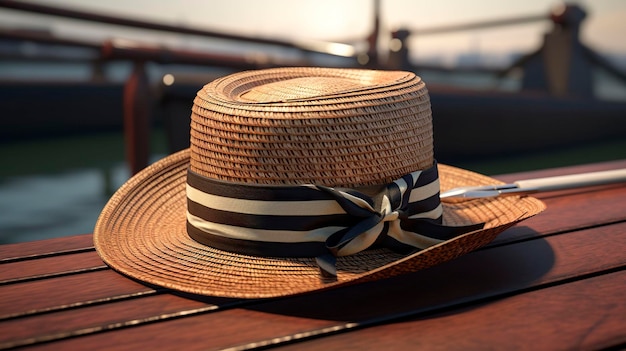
<point x="318" y="221"/>
<point x="405" y="216"/>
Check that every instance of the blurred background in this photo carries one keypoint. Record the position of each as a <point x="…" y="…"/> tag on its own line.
<point x="91" y="92"/>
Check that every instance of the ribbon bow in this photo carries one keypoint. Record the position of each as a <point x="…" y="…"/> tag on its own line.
<point x="405" y="216"/>
<point x="317" y="221"/>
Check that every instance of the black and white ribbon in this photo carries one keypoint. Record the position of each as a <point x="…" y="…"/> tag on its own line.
<point x="317" y="221"/>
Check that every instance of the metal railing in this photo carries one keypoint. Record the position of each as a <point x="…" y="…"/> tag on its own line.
<point x="136" y="89"/>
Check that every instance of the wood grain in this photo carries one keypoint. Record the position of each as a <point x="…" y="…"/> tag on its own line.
<point x="35" y="249"/>
<point x="583" y="315"/>
<point x="477" y="278"/>
<point x="558" y="276"/>
<point x="65" y="292"/>
<point x="578" y="210"/>
<point x="50" y="266"/>
<point x="96" y="318"/>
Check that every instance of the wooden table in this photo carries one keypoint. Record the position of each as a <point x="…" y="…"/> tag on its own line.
<point x="556" y="281"/>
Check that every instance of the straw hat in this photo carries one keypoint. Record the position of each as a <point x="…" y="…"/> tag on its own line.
<point x="299" y="179"/>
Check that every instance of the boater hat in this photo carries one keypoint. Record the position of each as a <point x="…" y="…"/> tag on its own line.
<point x="299" y="179"/>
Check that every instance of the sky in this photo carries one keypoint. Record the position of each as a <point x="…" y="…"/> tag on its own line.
<point x="347" y="20"/>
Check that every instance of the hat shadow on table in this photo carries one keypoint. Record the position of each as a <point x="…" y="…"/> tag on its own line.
<point x="299" y="180"/>
<point x="479" y="278"/>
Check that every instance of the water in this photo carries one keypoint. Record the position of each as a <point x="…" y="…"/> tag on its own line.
<point x="57" y="187"/>
<point x="43" y="206"/>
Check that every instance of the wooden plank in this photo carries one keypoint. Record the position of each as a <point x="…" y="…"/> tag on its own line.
<point x="382" y="290"/>
<point x="49" y="266"/>
<point x="72" y="322"/>
<point x="193" y="333"/>
<point x="584" y="315"/>
<point x="477" y="277"/>
<point x="579" y="210"/>
<point x="65" y="292"/>
<point x="48" y="247"/>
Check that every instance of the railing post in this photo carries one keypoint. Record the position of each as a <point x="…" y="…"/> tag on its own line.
<point x="561" y="66"/>
<point x="137" y="118"/>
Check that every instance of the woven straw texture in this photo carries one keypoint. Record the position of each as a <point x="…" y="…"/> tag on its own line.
<point x="141" y="233"/>
<point x="287" y="126"/>
<point x="333" y="127"/>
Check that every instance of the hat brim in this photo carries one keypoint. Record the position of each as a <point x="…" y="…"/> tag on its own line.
<point x="141" y="232"/>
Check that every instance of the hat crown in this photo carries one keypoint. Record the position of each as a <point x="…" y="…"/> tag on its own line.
<point x="299" y="88"/>
<point x="333" y="127"/>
